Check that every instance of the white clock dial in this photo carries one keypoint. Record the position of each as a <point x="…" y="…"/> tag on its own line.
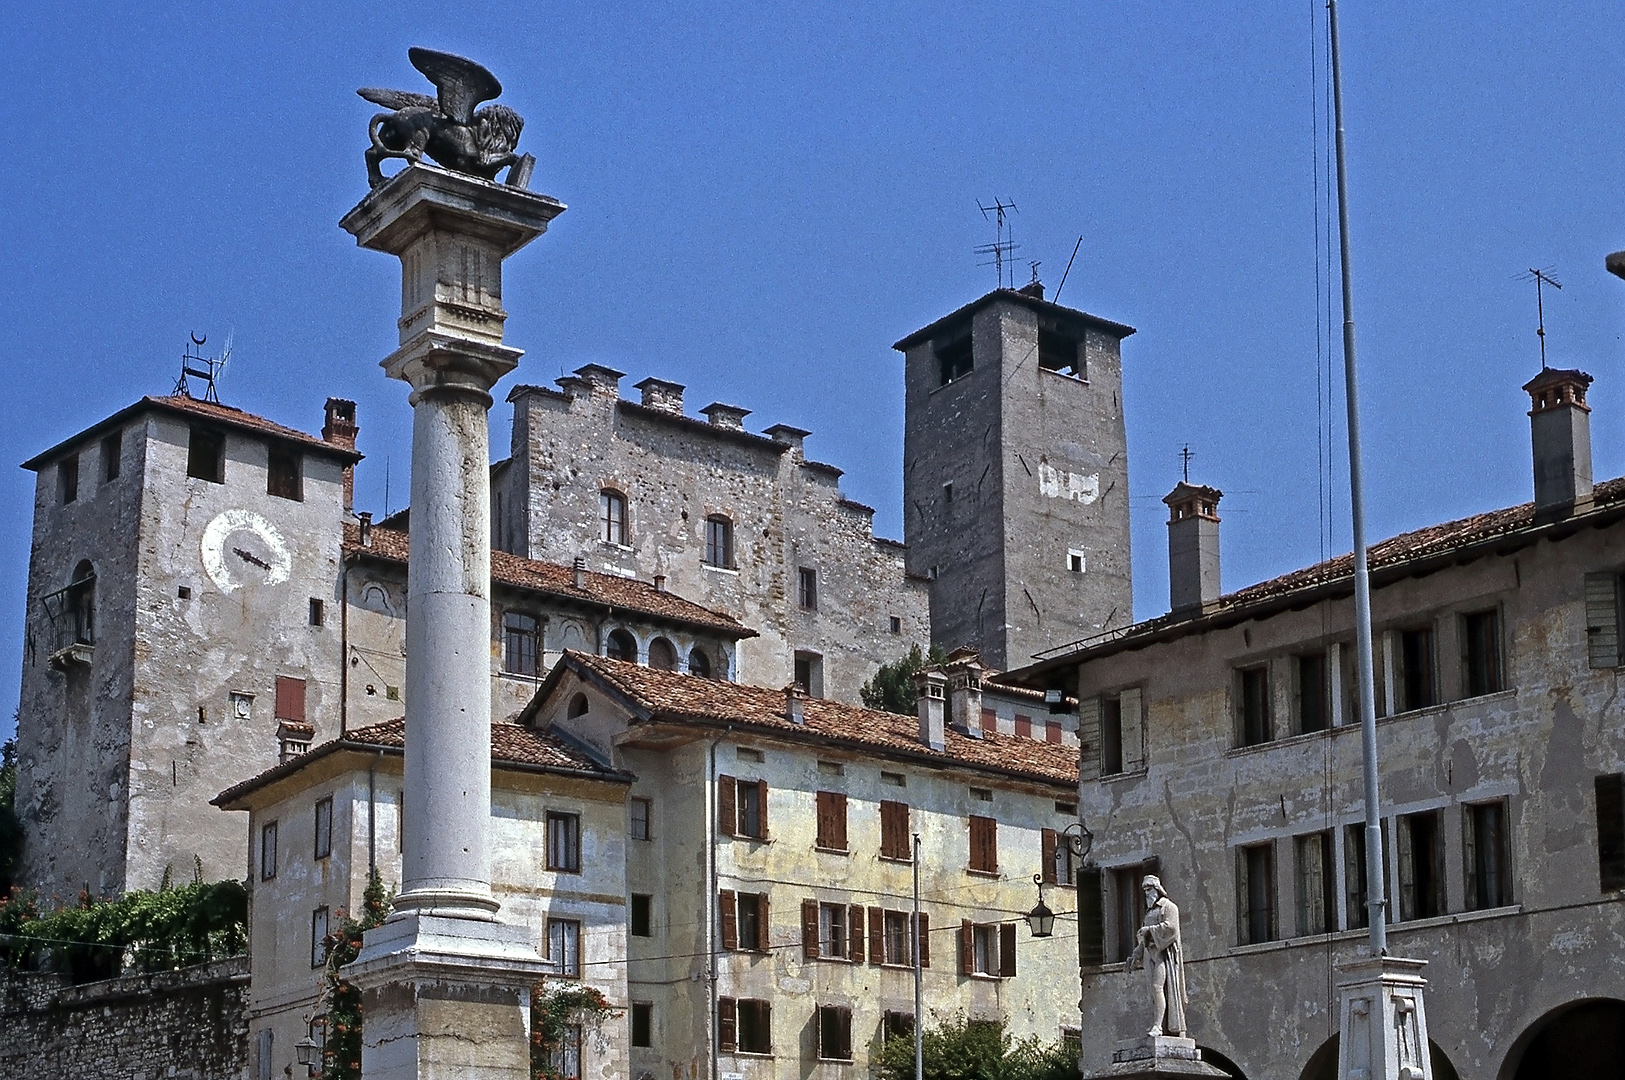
<point x="240" y="546"/>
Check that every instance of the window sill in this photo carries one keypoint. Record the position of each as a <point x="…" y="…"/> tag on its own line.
<point x="610" y="545"/>
<point x="732" y="570"/>
<point x="992" y="874"/>
<point x="833" y="1061"/>
<point x="758" y="1054"/>
<point x="831" y="850"/>
<point x="902" y="860"/>
<point x="1361" y="933"/>
<point x="1353" y="725"/>
<point x="749" y="839"/>
<point x="1128" y="774"/>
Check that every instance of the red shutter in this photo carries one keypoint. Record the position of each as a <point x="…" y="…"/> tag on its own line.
<point x="1024" y="726"/>
<point x="761" y="802"/>
<point x="727" y="1018"/>
<point x="730" y="920"/>
<point x="925" y="940"/>
<point x="826" y="827"/>
<point x="990" y="720"/>
<point x="1007" y="950"/>
<point x="854" y="922"/>
<point x="1052" y="731"/>
<point x="1047" y="856"/>
<point x="727" y="814"/>
<point x="984" y="850"/>
<point x="761" y="923"/>
<point x="838" y="819"/>
<point x="809" y="929"/>
<point x="290" y="699"/>
<point x="967" y="947"/>
<point x="877" y="936"/>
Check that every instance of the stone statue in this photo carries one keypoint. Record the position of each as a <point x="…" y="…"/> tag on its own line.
<point x="447" y="127"/>
<point x="1160" y="952"/>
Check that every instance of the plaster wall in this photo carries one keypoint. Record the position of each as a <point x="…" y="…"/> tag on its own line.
<point x="1535" y="747"/>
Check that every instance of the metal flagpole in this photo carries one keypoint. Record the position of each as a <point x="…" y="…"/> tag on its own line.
<point x="919" y="998"/>
<point x="1375" y="904"/>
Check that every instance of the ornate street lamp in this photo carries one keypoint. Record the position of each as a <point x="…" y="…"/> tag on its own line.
<point x="307" y="1051"/>
<point x="1080" y="841"/>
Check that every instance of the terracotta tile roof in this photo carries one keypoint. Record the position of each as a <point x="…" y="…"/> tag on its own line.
<point x="602" y="590"/>
<point x="206" y="410"/>
<point x="511" y="745"/>
<point x="668" y="696"/>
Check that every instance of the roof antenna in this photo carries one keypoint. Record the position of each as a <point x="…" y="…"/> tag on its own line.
<point x="197" y="366"/>
<point x="1185" y="455"/>
<point x="1056" y="298"/>
<point x="1001" y="249"/>
<point x="1541" y="277"/>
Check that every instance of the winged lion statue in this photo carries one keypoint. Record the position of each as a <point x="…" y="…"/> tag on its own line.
<point x="448" y="127"/>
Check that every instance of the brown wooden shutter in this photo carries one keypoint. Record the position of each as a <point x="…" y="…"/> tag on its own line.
<point x="290" y="699"/>
<point x="761" y="943"/>
<point x="838" y="819"/>
<point x="925" y="940"/>
<point x="809" y="929"/>
<point x="1007" y="950"/>
<point x="893" y="829"/>
<point x="730" y="920"/>
<point x="1047" y="856"/>
<point x="1091" y="919"/>
<point x="854" y="934"/>
<point x="967" y="947"/>
<point x="727" y="1023"/>
<point x="761" y="804"/>
<point x="984" y="849"/>
<point x="727" y="812"/>
<point x="877" y="936"/>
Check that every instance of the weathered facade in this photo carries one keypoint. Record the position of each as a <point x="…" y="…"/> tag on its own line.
<point x="1220" y="747"/>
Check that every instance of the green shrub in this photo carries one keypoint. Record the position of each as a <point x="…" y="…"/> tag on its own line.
<point x="892" y="687"/>
<point x="961" y="1049"/>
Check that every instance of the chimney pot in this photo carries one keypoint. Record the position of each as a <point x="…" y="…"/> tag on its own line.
<point x="727" y="417"/>
<point x="931" y="684"/>
<point x="662" y="395"/>
<point x="339" y="428"/>
<point x="660" y="583"/>
<point x="1193" y="545"/>
<point x="794" y="709"/>
<point x="792" y="437"/>
<point x="581" y="572"/>
<point x="366" y="528"/>
<point x="1560" y="436"/>
<point x="964" y="672"/>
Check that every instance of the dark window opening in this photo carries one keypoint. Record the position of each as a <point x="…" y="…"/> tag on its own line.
<point x="1421" y="866"/>
<point x="316" y="613"/>
<point x="318" y="937"/>
<point x="1481" y="671"/>
<point x="807" y="588"/>
<point x="620" y="646"/>
<point x="643" y="1024"/>
<point x="1354" y="876"/>
<point x="1111" y="736"/>
<point x="896" y="625"/>
<point x="67" y="476"/>
<point x="752" y="822"/>
<point x="579" y="706"/>
<point x="612" y="517"/>
<point x="1057" y="352"/>
<point x="954" y="360"/>
<point x="897" y="1025"/>
<point x="719" y="541"/>
<point x="519" y="643"/>
<point x="1486" y="853"/>
<point x="1611" y="831"/>
<point x="1254" y="720"/>
<point x="834" y="1033"/>
<point x="81" y="598"/>
<point x="206" y="455"/>
<point x="642" y="816"/>
<point x="1317" y="884"/>
<point x="564" y="842"/>
<point x="112" y="446"/>
<point x="1255" y="894"/>
<point x="751" y="924"/>
<point x="268" y="851"/>
<point x="1417" y="684"/>
<point x="662" y="655"/>
<point x="642" y="915"/>
<point x="324" y="828"/>
<point x="1128" y="910"/>
<point x="1313" y="693"/>
<point x="699" y="664"/>
<point x="809" y="673"/>
<point x="282" y="474"/>
<point x="1605" y="597"/>
<point x="754" y="1026"/>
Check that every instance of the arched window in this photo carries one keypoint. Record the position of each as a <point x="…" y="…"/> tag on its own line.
<point x="611" y="517"/>
<point x="82" y="604"/>
<point x="578" y="706"/>
<point x="719" y="541"/>
<point x="620" y="646"/>
<point x="662" y="655"/>
<point x="699" y="664"/>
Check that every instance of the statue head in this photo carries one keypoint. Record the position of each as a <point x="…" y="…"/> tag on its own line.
<point x="1151" y="888"/>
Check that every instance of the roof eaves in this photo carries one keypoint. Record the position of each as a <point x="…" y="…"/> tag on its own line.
<point x="745" y="438"/>
<point x="926" y="333"/>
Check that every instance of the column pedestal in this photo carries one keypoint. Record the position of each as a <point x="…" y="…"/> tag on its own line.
<point x="1152" y="1056"/>
<point x="1384" y="1030"/>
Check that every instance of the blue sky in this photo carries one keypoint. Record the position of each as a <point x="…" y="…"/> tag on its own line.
<point x="762" y="199"/>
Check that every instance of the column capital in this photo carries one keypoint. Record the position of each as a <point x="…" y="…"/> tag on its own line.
<point x="437" y="361"/>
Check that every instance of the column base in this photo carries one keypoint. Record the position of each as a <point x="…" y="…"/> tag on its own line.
<point x="446" y="998"/>
<point x="1151" y="1056"/>
<point x="1384" y="1031"/>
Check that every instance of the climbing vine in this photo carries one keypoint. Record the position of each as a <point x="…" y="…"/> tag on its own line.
<point x="341" y="1054"/>
<point x="552" y="1014"/>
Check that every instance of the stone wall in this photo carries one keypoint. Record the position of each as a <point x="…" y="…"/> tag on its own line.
<point x="190" y="1024"/>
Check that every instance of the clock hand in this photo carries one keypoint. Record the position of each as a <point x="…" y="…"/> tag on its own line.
<point x="250" y="557"/>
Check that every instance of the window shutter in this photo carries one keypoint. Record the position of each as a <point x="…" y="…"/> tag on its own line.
<point x="845" y="1022"/>
<point x="1007" y="950"/>
<point x="821" y="807"/>
<point x="925" y="940"/>
<point x="730" y="920"/>
<point x="1089" y="739"/>
<point x="1610" y="831"/>
<point x="1133" y="731"/>
<point x="1602" y="619"/>
<point x="1469" y="856"/>
<point x="727" y="1023"/>
<point x="727" y="812"/>
<point x="762" y="923"/>
<point x="1047" y="856"/>
<point x="764" y="1010"/>
<point x="837" y="809"/>
<point x="290" y="699"/>
<point x="877" y="935"/>
<point x="761" y="802"/>
<point x="809" y="929"/>
<point x="1244" y="911"/>
<point x="1091" y="919"/>
<point x="967" y="947"/>
<point x="854" y="935"/>
<point x="1407" y="870"/>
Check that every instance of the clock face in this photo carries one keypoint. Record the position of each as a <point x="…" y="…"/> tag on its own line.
<point x="241" y="547"/>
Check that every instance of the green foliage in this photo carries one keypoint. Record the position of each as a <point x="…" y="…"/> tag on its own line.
<point x="552" y="1013"/>
<point x="341" y="1054"/>
<point x="139" y="931"/>
<point x="892" y="687"/>
<point x="961" y="1049"/>
<point x="11" y="830"/>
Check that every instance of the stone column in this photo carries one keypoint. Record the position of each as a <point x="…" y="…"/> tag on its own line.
<point x="445" y="985"/>
<point x="1384" y="1028"/>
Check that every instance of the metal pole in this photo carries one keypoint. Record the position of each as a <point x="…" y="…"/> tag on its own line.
<point x="1375" y="904"/>
<point x="919" y="995"/>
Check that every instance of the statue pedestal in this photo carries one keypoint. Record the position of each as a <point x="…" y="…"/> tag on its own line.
<point x="1384" y="1029"/>
<point x="1152" y="1056"/>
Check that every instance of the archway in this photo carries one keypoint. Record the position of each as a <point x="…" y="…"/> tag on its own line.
<point x="1323" y="1064"/>
<point x="662" y="655"/>
<point x="1219" y="1061"/>
<point x="1583" y="1040"/>
<point x="621" y="646"/>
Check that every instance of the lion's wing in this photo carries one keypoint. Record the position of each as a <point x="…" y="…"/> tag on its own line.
<point x="396" y="99"/>
<point x="462" y="83"/>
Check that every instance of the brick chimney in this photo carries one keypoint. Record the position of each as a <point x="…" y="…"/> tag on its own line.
<point x="662" y="395"/>
<point x="1560" y="433"/>
<point x="964" y="671"/>
<point x="728" y="417"/>
<point x="794" y="704"/>
<point x="579" y="571"/>
<point x="1193" y="545"/>
<point x="340" y="430"/>
<point x="931" y="684"/>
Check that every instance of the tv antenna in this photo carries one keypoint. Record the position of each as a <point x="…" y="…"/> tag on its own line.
<point x="1001" y="249"/>
<point x="1185" y="455"/>
<point x="194" y="365"/>
<point x="1541" y="278"/>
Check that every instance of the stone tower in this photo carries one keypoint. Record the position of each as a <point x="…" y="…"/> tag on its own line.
<point x="1015" y="475"/>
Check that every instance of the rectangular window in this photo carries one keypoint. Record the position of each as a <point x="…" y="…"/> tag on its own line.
<point x="752" y="922"/>
<point x="564" y="842"/>
<point x="895" y="839"/>
<point x="896" y="624"/>
<point x="834" y="1033"/>
<point x="831" y="821"/>
<point x="1317" y="883"/>
<point x="318" y="937"/>
<point x="745" y="1026"/>
<point x="1421" y="865"/>
<point x="1111" y="736"/>
<point x="1128" y="910"/>
<point x="987" y="949"/>
<point x="1481" y="671"/>
<point x="809" y="673"/>
<point x="519" y="643"/>
<point x="1354" y="875"/>
<point x="206" y="455"/>
<point x="1486" y="854"/>
<point x="1255" y="893"/>
<point x="1603" y="596"/>
<point x="642" y="915"/>
<point x="896" y="1025"/>
<point x="1611" y="831"/>
<point x="282" y="473"/>
<point x="643" y="1024"/>
<point x="984" y="845"/>
<point x="612" y="517"/>
<point x="324" y="827"/>
<point x="564" y="947"/>
<point x="564" y="1059"/>
<point x="832" y="928"/>
<point x="268" y="851"/>
<point x="1058" y="353"/>
<point x="642" y="812"/>
<point x="897" y="942"/>
<point x="954" y="360"/>
<point x="317" y="614"/>
<point x="1254" y="724"/>
<point x="290" y="698"/>
<point x="112" y="446"/>
<point x="719" y="541"/>
<point x="1313" y="693"/>
<point x="807" y="588"/>
<point x="753" y="809"/>
<point x="1075" y="561"/>
<point x="67" y="477"/>
<point x="1058" y="861"/>
<point x="1417" y="685"/>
